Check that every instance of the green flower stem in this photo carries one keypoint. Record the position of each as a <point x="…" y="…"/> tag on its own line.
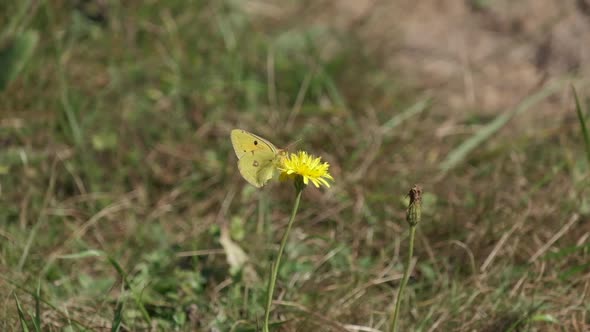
<point x="398" y="302"/>
<point x="413" y="216"/>
<point x="275" y="266"/>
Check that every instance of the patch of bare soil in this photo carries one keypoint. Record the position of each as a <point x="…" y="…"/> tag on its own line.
<point x="483" y="55"/>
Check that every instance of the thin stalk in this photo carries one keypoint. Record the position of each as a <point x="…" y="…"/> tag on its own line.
<point x="275" y="266"/>
<point x="582" y="123"/>
<point x="413" y="216"/>
<point x="398" y="301"/>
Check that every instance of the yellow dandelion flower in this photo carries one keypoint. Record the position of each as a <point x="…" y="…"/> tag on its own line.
<point x="308" y="167"/>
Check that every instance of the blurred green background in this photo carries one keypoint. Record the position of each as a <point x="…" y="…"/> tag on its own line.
<point x="121" y="205"/>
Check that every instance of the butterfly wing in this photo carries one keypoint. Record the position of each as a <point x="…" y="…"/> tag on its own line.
<point x="257" y="168"/>
<point x="256" y="157"/>
<point x="247" y="143"/>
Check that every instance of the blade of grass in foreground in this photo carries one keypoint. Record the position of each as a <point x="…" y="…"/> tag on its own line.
<point x="459" y="154"/>
<point x="117" y="320"/>
<point x="15" y="56"/>
<point x="21" y="315"/>
<point x="582" y="123"/>
<point x="57" y="310"/>
<point x="37" y="320"/>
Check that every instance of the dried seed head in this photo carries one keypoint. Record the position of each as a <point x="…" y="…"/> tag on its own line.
<point x="414" y="207"/>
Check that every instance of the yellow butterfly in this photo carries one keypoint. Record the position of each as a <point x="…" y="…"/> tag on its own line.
<point x="257" y="157"/>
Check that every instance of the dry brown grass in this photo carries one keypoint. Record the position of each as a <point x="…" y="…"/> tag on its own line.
<point x="503" y="243"/>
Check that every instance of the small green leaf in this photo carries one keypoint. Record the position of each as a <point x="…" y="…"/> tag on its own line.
<point x="547" y="318"/>
<point x="104" y="141"/>
<point x="179" y="318"/>
<point x="15" y="54"/>
<point x="237" y="229"/>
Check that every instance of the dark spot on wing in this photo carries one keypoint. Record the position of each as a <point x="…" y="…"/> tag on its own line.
<point x="255" y="142"/>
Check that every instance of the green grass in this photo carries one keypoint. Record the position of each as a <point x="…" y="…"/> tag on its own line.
<point x="118" y="178"/>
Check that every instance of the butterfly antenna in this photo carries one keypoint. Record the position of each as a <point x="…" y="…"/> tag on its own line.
<point x="293" y="144"/>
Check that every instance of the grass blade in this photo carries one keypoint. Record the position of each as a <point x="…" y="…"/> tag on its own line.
<point x="21" y="315"/>
<point x="579" y="269"/>
<point x="15" y="55"/>
<point x="582" y="123"/>
<point x="117" y="320"/>
<point x="84" y="254"/>
<point x="47" y="303"/>
<point x="400" y="118"/>
<point x="460" y="153"/>
<point x="122" y="274"/>
<point x="14" y="27"/>
<point x="37" y="319"/>
<point x="127" y="284"/>
<point x="546" y="318"/>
